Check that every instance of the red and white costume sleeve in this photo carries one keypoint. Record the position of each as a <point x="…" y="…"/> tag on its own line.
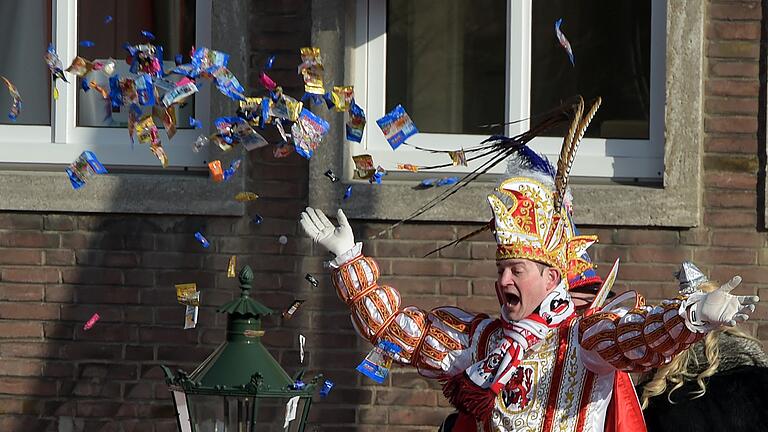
<point x="436" y="342"/>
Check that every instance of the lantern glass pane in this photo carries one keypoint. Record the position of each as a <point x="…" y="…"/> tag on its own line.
<point x="182" y="410"/>
<point x="207" y="413"/>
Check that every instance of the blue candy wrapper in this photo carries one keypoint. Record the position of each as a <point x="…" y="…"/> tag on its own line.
<point x="307" y="132"/>
<point x="203" y="241"/>
<point x="377" y="363"/>
<point x="397" y="127"/>
<point x="356" y="124"/>
<point x="84" y="167"/>
<point x="145" y="90"/>
<point x="327" y="386"/>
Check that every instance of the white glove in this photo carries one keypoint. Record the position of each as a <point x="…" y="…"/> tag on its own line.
<point x="710" y="310"/>
<point x="319" y="228"/>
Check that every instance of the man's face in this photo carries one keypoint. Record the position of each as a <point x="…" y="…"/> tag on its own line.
<point x="522" y="285"/>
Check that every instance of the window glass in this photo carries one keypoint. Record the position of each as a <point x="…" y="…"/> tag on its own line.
<point x="446" y="63"/>
<point x="25" y="31"/>
<point x="172" y="22"/>
<point x="611" y="42"/>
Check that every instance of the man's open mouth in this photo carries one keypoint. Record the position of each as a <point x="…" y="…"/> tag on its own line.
<point x="511" y="299"/>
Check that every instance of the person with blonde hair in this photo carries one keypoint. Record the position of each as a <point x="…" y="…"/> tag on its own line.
<point x="716" y="384"/>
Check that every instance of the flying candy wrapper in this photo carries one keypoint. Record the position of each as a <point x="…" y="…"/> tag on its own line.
<point x="148" y="34"/>
<point x="378" y="361"/>
<point x="267" y="82"/>
<point x="302" y="341"/>
<point x="326" y="389"/>
<point x="290" y="411"/>
<point x="257" y="219"/>
<point x="364" y="168"/>
<point x="245" y="196"/>
<point x="55" y="67"/>
<point x="200" y="142"/>
<point x="207" y="59"/>
<point x="231" y="266"/>
<point x="195" y="123"/>
<point x="331" y="176"/>
<point x="564" y="41"/>
<point x="430" y="182"/>
<point x="187" y="294"/>
<point x="227" y="84"/>
<point x="286" y="108"/>
<point x="80" y="67"/>
<point x="233" y="166"/>
<point x="311" y="69"/>
<point x="16" y="104"/>
<point x="356" y="123"/>
<point x="83" y="168"/>
<point x="340" y="98"/>
<point x="311" y="279"/>
<point x="217" y="174"/>
<point x="299" y="384"/>
<point x="270" y="62"/>
<point x="378" y="174"/>
<point x="458" y="157"/>
<point x="288" y="313"/>
<point x="347" y="192"/>
<point x="200" y="238"/>
<point x="408" y="167"/>
<point x="86" y="44"/>
<point x="107" y="19"/>
<point x="190" y="317"/>
<point x="91" y="321"/>
<point x="180" y="93"/>
<point x="307" y="132"/>
<point x="397" y="127"/>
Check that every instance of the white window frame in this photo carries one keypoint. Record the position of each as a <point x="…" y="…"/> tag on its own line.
<point x="597" y="157"/>
<point x="63" y="141"/>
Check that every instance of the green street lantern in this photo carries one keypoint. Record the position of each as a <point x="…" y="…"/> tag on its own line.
<point x="240" y="387"/>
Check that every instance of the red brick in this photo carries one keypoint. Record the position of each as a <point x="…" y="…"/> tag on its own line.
<point x="54" y="222"/>
<point x="601" y="253"/>
<point x="646" y="237"/>
<point x="660" y="254"/>
<point x="745" y="145"/>
<point x="454" y="287"/>
<point x="109" y="371"/>
<point x="21" y="221"/>
<point x="151" y="335"/>
<point x="695" y="236"/>
<point x="730" y="219"/>
<point x="20" y="292"/>
<point x="108" y="333"/>
<point x="376" y="415"/>
<point x="418" y="286"/>
<point x="484" y="287"/>
<point x="418" y="416"/>
<point x="734" y="30"/>
<point x="476" y="304"/>
<point x="29" y="350"/>
<point x="172" y="260"/>
<point x="12" y="367"/>
<point x="737" y="69"/>
<point x="646" y="272"/>
<point x="483" y="251"/>
<point x="750" y="275"/>
<point x="743" y="239"/>
<point x="726" y="256"/>
<point x="407" y="397"/>
<point x="58" y="331"/>
<point x="59" y="257"/>
<point x="29" y="239"/>
<point x="401" y="248"/>
<point x="725" y="87"/>
<point x="78" y="240"/>
<point x="424" y="232"/>
<point x="23" y="330"/>
<point x="731" y="199"/>
<point x="749" y="50"/>
<point x="12" y="406"/>
<point x="31" y="275"/>
<point x="106" y="258"/>
<point x="731" y="124"/>
<point x="30" y="311"/>
<point x="425" y="267"/>
<point x="92" y="276"/>
<point x="731" y="10"/>
<point x="21" y="256"/>
<point x="730" y="180"/>
<point x="27" y="386"/>
<point x="99" y="351"/>
<point x="731" y="105"/>
<point x="106" y="295"/>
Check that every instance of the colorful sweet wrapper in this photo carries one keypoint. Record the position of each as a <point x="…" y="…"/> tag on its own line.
<point x="307" y="133"/>
<point x="200" y="238"/>
<point x="54" y="63"/>
<point x="145" y="90"/>
<point x="564" y="41"/>
<point x="217" y="173"/>
<point x="286" y="108"/>
<point x="267" y="82"/>
<point x="107" y="19"/>
<point x="326" y="388"/>
<point x="160" y="154"/>
<point x="377" y="176"/>
<point x="91" y="321"/>
<point x="408" y="167"/>
<point x="231" y="271"/>
<point x="290" y="411"/>
<point x="257" y="219"/>
<point x="378" y="361"/>
<point x="83" y="168"/>
<point x="298" y="385"/>
<point x="195" y="123"/>
<point x="168" y="117"/>
<point x="147" y="131"/>
<point x="282" y="151"/>
<point x="227" y="84"/>
<point x="244" y="134"/>
<point x="107" y="67"/>
<point x="356" y="124"/>
<point x="185" y="293"/>
<point x="397" y="127"/>
<point x="233" y="167"/>
<point x="102" y="91"/>
<point x="87" y="44"/>
<point x="311" y="279"/>
<point x="430" y="182"/>
<point x="245" y="196"/>
<point x="80" y="67"/>
<point x="311" y="69"/>
<point x="190" y="317"/>
<point x="302" y="341"/>
<point x="331" y="176"/>
<point x="458" y="157"/>
<point x="179" y="93"/>
<point x="148" y="34"/>
<point x="342" y="97"/>
<point x="204" y="58"/>
<point x="13" y="113"/>
<point x="347" y="193"/>
<point x="200" y="142"/>
<point x="288" y="313"/>
<point x="364" y="167"/>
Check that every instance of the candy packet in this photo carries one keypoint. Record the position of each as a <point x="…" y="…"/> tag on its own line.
<point x="378" y="361"/>
<point x="397" y="127"/>
<point x="307" y="132"/>
<point x="356" y="123"/>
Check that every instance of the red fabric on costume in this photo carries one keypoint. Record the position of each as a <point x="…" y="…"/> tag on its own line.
<point x="465" y="423"/>
<point x="624" y="413"/>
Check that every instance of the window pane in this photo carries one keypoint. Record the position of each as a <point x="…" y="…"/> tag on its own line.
<point x="611" y="43"/>
<point x="446" y="63"/>
<point x="25" y="30"/>
<point x="171" y="21"/>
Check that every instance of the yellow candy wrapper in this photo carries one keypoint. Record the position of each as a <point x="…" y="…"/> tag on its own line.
<point x="185" y="293"/>
<point x="342" y="96"/>
<point x="80" y="67"/>
<point x="364" y="167"/>
<point x="245" y="196"/>
<point x="408" y="167"/>
<point x="231" y="266"/>
<point x="311" y="69"/>
<point x="458" y="157"/>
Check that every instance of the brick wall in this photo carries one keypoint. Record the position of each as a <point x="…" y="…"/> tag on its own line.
<point x="58" y="269"/>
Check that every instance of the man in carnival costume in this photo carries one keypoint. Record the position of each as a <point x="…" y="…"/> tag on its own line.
<point x="539" y="366"/>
